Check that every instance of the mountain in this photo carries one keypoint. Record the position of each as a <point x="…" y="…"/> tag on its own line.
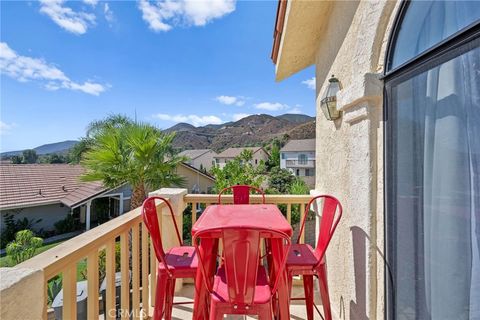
<point x="297" y="118"/>
<point x="249" y="131"/>
<point x="57" y="147"/>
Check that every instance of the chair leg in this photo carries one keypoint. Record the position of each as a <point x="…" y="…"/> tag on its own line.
<point x="322" y="280"/>
<point x="215" y="313"/>
<point x="162" y="280"/>
<point x="308" y="289"/>
<point x="265" y="312"/>
<point x="170" y="292"/>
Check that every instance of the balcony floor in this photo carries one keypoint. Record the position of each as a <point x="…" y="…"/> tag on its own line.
<point x="297" y="309"/>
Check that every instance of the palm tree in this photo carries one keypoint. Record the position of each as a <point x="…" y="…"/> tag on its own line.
<point x="135" y="153"/>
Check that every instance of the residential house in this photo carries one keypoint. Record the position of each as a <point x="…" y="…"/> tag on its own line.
<point x="197" y="181"/>
<point x="298" y="156"/>
<point x="201" y="159"/>
<point x="259" y="154"/>
<point x="403" y="154"/>
<point x="48" y="193"/>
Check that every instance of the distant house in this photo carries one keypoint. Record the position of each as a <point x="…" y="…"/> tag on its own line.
<point x="298" y="156"/>
<point x="200" y="158"/>
<point x="229" y="154"/>
<point x="196" y="180"/>
<point x="50" y="192"/>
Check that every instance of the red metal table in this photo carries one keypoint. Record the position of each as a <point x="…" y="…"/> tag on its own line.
<point x="249" y="215"/>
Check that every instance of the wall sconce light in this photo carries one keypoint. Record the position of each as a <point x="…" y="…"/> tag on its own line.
<point x="329" y="100"/>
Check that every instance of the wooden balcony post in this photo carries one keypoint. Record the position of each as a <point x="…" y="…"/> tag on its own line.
<point x="169" y="237"/>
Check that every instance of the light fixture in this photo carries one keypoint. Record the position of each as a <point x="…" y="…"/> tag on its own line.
<point x="329" y="99"/>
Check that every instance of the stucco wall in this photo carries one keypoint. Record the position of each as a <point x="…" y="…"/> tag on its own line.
<point x="205" y="160"/>
<point x="48" y="214"/>
<point x="349" y="154"/>
<point x="195" y="179"/>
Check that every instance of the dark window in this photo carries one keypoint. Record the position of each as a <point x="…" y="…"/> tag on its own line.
<point x="302" y="159"/>
<point x="433" y="163"/>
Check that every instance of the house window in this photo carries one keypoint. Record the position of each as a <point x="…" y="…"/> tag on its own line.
<point x="283" y="156"/>
<point x="297" y="172"/>
<point x="256" y="161"/>
<point x="308" y="172"/>
<point x="302" y="159"/>
<point x="433" y="162"/>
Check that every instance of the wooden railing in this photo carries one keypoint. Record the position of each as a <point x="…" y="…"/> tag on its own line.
<point x="123" y="245"/>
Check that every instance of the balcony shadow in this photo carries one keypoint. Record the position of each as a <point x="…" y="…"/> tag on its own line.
<point x="361" y="241"/>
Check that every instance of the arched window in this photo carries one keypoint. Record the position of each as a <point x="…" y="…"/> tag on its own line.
<point x="432" y="95"/>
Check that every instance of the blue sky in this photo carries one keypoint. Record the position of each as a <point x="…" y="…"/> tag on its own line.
<point x="65" y="64"/>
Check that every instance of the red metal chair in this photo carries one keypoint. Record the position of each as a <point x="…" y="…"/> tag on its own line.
<point x="241" y="285"/>
<point x="308" y="262"/>
<point x="178" y="262"/>
<point x="241" y="194"/>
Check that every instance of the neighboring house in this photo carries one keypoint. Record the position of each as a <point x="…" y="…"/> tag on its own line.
<point x="200" y="158"/>
<point x="403" y="157"/>
<point x="298" y="156"/>
<point x="50" y="192"/>
<point x="259" y="154"/>
<point x="196" y="180"/>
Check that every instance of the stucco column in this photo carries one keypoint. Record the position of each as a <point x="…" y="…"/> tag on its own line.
<point x="21" y="293"/>
<point x="167" y="229"/>
<point x="87" y="216"/>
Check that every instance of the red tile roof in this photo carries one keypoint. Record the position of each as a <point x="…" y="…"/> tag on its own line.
<point x="26" y="185"/>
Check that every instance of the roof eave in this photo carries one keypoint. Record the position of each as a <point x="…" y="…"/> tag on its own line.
<point x="298" y="31"/>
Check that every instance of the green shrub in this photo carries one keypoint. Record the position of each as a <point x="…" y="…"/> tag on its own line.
<point x="66" y="225"/>
<point x="12" y="226"/>
<point x="24" y="246"/>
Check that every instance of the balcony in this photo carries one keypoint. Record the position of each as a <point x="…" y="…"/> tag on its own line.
<point x="118" y="252"/>
<point x="300" y="164"/>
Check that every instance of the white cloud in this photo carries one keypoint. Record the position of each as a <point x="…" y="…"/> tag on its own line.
<point x="271" y="106"/>
<point x="108" y="14"/>
<point x="72" y="21"/>
<point x="5" y="128"/>
<point x="25" y="69"/>
<point x="93" y="3"/>
<point x="310" y="83"/>
<point x="193" y="119"/>
<point x="295" y="110"/>
<point x="229" y="100"/>
<point x="163" y="15"/>
<point x="238" y="116"/>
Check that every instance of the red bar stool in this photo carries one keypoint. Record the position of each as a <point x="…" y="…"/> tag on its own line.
<point x="178" y="262"/>
<point x="241" y="194"/>
<point x="241" y="285"/>
<point x="308" y="262"/>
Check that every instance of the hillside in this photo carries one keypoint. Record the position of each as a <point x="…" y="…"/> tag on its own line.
<point x="57" y="147"/>
<point x="249" y="131"/>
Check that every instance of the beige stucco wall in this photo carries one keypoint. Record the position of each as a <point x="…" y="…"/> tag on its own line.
<point x="205" y="160"/>
<point x="195" y="178"/>
<point x="349" y="153"/>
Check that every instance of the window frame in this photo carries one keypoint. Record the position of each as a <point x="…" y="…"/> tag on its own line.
<point x="457" y="44"/>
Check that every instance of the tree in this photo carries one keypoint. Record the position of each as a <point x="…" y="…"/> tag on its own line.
<point x="238" y="171"/>
<point x="274" y="158"/>
<point x="24" y="246"/>
<point x="56" y="158"/>
<point x="29" y="156"/>
<point x="16" y="159"/>
<point x="135" y="153"/>
<point x="280" y="180"/>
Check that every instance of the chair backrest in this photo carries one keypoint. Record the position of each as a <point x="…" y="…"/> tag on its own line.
<point x="241" y="254"/>
<point x="241" y="194"/>
<point x="150" y="218"/>
<point x="331" y="214"/>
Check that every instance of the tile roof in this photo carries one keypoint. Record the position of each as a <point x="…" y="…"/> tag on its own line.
<point x="26" y="185"/>
<point x="193" y="154"/>
<point x="300" y="145"/>
<point x="235" y="152"/>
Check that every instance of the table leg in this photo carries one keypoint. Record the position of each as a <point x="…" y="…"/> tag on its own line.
<point x="208" y="249"/>
<point x="278" y="250"/>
